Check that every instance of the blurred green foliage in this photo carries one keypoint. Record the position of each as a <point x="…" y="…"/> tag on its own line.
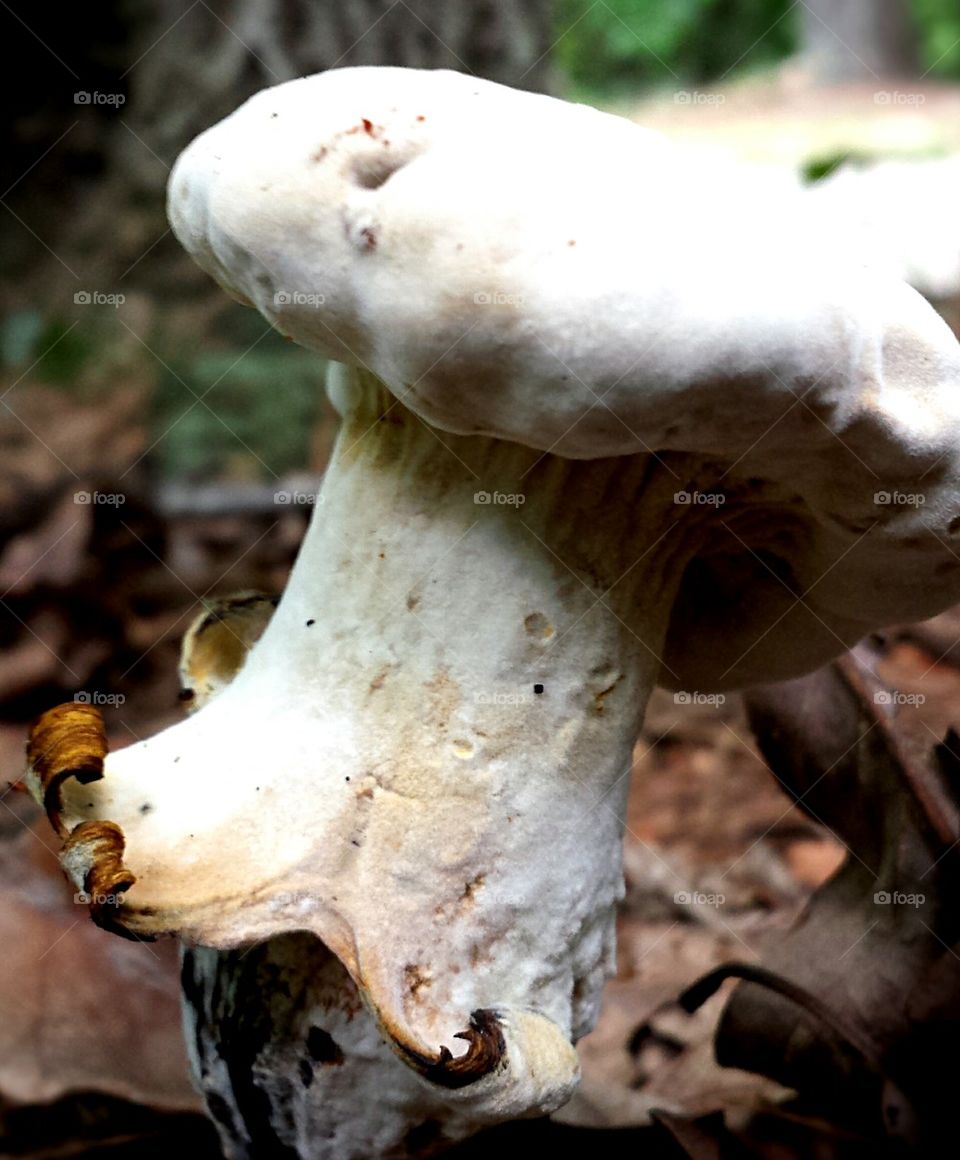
<point x="256" y="418"/>
<point x="20" y="335"/>
<point x="63" y="349"/>
<point x="607" y="46"/>
<point x="246" y="408"/>
<point x="619" y="44"/>
<point x="938" y="24"/>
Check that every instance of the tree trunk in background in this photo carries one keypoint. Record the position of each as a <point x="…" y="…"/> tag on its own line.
<point x="209" y="68"/>
<point x="858" y="40"/>
<point x="96" y="197"/>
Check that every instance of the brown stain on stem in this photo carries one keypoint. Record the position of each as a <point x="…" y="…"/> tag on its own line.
<point x="600" y="698"/>
<point x="471" y="889"/>
<point x="416" y="979"/>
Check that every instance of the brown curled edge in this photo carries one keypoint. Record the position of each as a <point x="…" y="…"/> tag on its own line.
<point x="100" y="846"/>
<point x="486" y="1053"/>
<point x="71" y="741"/>
<point x="68" y="741"/>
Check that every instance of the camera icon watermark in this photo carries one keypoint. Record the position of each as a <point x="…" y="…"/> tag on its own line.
<point x="682" y="697"/>
<point x="100" y="498"/>
<point x="499" y="498"/>
<point x="498" y="698"/>
<point x="899" y="898"/>
<point x="497" y="298"/>
<point x="695" y="97"/>
<point x="98" y="298"/>
<point x="85" y="898"/>
<point x="93" y="697"/>
<point x="699" y="898"/>
<point x="895" y="97"/>
<point x="895" y="697"/>
<point x="298" y="298"/>
<point x="700" y="498"/>
<point x="899" y="498"/>
<point x="86" y="97"/>
<point x="289" y="498"/>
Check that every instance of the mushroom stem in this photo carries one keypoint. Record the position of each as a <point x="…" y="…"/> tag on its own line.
<point x="288" y="1058"/>
<point x="424" y="760"/>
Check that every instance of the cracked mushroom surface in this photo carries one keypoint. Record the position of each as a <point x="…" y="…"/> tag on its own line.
<point x="601" y="429"/>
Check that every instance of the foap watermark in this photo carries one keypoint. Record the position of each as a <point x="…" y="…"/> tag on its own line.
<point x="895" y="97"/>
<point x="513" y="698"/>
<point x="899" y="498"/>
<point x="93" y="697"/>
<point x="895" y="697"/>
<point x="682" y="697"/>
<point x="295" y="900"/>
<point x="898" y="898"/>
<point x="298" y="298"/>
<point x="695" y="97"/>
<point x="700" y="498"/>
<point x="98" y="298"/>
<point x="297" y="498"/>
<point x="499" y="498"/>
<point x="100" y="498"/>
<point x="497" y="298"/>
<point x="85" y="898"/>
<point x="86" y="97"/>
<point x="699" y="898"/>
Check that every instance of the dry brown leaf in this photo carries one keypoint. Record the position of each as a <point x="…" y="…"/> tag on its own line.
<point x="79" y="1009"/>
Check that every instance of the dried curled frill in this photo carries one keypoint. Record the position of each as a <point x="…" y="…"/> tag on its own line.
<point x="485" y="1053"/>
<point x="70" y="741"/>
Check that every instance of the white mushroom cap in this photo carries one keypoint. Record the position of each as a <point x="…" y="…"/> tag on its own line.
<point x="515" y="265"/>
<point x="905" y="210"/>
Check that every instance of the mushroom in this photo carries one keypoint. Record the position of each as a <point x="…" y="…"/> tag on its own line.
<point x="602" y="428"/>
<point x="879" y="200"/>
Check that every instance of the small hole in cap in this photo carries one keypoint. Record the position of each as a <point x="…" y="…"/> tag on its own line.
<point x="372" y="172"/>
